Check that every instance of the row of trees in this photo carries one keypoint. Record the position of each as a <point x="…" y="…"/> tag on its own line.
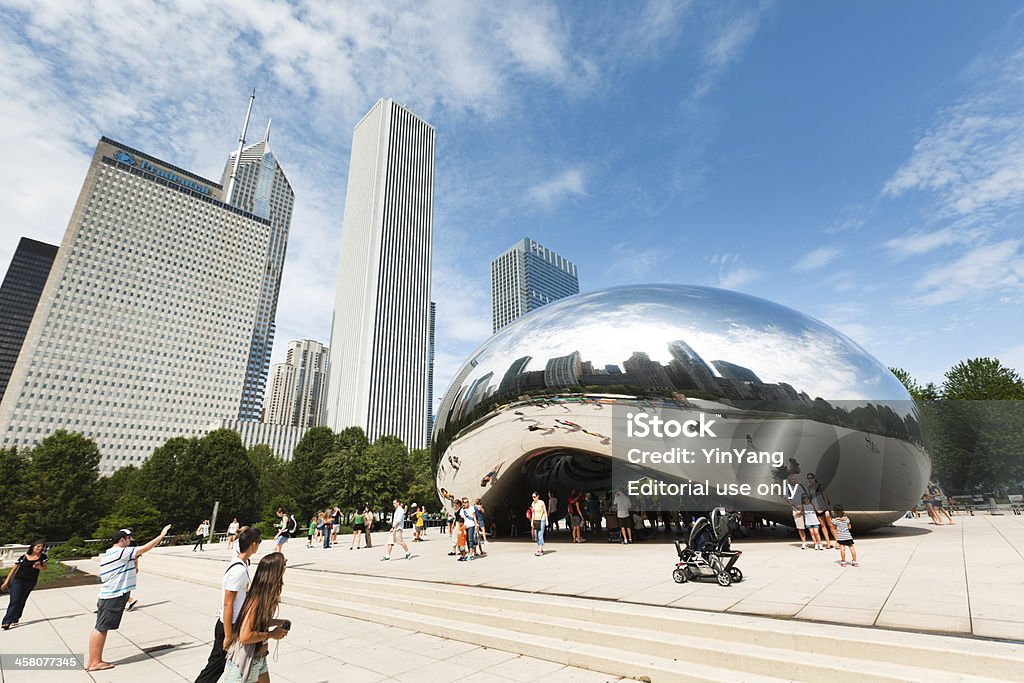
<point x="975" y="424"/>
<point x="53" y="491"/>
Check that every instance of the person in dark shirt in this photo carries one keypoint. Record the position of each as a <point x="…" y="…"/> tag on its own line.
<point x="21" y="581"/>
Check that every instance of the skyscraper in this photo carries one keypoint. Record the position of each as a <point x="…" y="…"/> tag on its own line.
<point x="430" y="372"/>
<point x="145" y="326"/>
<point x="19" y="295"/>
<point x="526" y="277"/>
<point x="297" y="386"/>
<point x="380" y="331"/>
<point x="262" y="189"/>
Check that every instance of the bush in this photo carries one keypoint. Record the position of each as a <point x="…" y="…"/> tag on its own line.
<point x="75" y="548"/>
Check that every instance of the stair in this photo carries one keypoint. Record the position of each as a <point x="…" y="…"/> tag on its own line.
<point x="636" y="641"/>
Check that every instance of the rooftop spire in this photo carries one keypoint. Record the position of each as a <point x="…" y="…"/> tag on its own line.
<point x="238" y="154"/>
<point x="266" y="136"/>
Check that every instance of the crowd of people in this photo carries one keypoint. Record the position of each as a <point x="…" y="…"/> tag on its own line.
<point x="246" y="616"/>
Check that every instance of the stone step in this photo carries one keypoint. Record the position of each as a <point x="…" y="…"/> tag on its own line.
<point x="727" y="645"/>
<point x="961" y="655"/>
<point x="739" y="656"/>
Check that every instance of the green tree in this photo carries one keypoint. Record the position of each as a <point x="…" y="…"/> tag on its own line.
<point x="422" y="488"/>
<point x="61" y="488"/>
<point x="133" y="513"/>
<point x="385" y="472"/>
<point x="268" y="469"/>
<point x="14" y="468"/>
<point x="169" y="480"/>
<point x="982" y="379"/>
<point x="338" y="473"/>
<point x="225" y="475"/>
<point x="977" y="428"/>
<point x="302" y="471"/>
<point x="122" y="481"/>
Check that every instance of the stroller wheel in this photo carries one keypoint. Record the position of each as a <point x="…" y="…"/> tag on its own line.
<point x="679" y="575"/>
<point x="736" y="575"/>
<point x="724" y="579"/>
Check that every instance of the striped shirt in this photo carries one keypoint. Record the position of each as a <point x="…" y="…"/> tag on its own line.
<point x="117" y="571"/>
<point x="842" y="525"/>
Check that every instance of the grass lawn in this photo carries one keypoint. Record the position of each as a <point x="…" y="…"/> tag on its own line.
<point x="57" y="575"/>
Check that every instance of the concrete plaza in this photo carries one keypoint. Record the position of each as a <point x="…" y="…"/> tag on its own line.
<point x="431" y="618"/>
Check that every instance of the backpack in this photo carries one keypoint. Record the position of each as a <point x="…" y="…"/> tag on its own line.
<point x="293" y="524"/>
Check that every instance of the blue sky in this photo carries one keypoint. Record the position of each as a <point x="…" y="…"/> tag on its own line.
<point x="862" y="163"/>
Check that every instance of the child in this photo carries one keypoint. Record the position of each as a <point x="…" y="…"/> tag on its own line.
<point x="842" y="524"/>
<point x="312" y="530"/>
<point x="811" y="521"/>
<point x="460" y="542"/>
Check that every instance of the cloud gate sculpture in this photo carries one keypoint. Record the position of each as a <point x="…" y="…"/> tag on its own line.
<point x="686" y="398"/>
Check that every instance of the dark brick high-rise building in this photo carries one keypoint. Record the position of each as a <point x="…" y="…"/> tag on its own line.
<point x="19" y="295"/>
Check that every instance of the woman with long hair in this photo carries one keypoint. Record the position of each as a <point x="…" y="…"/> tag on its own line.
<point x="357" y="529"/>
<point x="21" y="581"/>
<point x="247" y="647"/>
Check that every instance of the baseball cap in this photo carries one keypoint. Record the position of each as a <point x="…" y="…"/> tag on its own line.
<point x="122" y="533"/>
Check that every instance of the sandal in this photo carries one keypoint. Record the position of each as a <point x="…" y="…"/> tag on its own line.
<point x="102" y="666"/>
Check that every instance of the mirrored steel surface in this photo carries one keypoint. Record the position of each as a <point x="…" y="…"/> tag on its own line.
<point x="535" y="407"/>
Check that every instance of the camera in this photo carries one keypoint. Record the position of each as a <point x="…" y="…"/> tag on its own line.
<point x="286" y="625"/>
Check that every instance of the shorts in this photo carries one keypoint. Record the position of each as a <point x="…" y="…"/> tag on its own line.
<point x="109" y="612"/>
<point x="848" y="541"/>
<point x="812" y="526"/>
<point x="358" y="527"/>
<point x="232" y="674"/>
<point x="798" y="519"/>
<point x="395" y="537"/>
<point x="281" y="540"/>
<point x="625" y="522"/>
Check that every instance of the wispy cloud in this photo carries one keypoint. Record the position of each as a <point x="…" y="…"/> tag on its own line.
<point x="729" y="32"/>
<point x="569" y="183"/>
<point x="972" y="157"/>
<point x="819" y="258"/>
<point x="917" y="243"/>
<point x="731" y="273"/>
<point x="995" y="269"/>
<point x="635" y="264"/>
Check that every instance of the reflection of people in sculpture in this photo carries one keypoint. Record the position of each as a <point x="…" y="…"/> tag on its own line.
<point x="750" y="441"/>
<point x="454" y="462"/>
<point x="573" y="427"/>
<point x="538" y="428"/>
<point x="490" y="475"/>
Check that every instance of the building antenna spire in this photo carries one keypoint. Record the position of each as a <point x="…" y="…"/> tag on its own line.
<point x="266" y="136"/>
<point x="238" y="155"/>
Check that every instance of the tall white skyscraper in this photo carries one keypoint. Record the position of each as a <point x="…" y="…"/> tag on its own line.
<point x="526" y="277"/>
<point x="380" y="331"/>
<point x="262" y="189"/>
<point x="297" y="386"/>
<point x="144" y="328"/>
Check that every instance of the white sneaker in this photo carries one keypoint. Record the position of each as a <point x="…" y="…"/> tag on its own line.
<point x="803" y="546"/>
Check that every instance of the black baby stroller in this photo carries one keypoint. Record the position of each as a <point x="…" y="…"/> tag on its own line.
<point x="708" y="554"/>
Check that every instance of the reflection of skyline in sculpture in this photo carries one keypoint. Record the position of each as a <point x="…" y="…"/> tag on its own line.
<point x="687" y="372"/>
<point x="645" y="347"/>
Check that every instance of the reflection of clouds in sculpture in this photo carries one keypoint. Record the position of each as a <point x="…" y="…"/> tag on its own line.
<point x="547" y="397"/>
<point x="606" y="327"/>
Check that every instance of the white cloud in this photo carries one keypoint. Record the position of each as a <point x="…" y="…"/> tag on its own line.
<point x="917" y="243"/>
<point x="727" y="37"/>
<point x="819" y="258"/>
<point x="633" y="264"/>
<point x="569" y="183"/>
<point x="972" y="157"/>
<point x="976" y="275"/>
<point x="731" y="274"/>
